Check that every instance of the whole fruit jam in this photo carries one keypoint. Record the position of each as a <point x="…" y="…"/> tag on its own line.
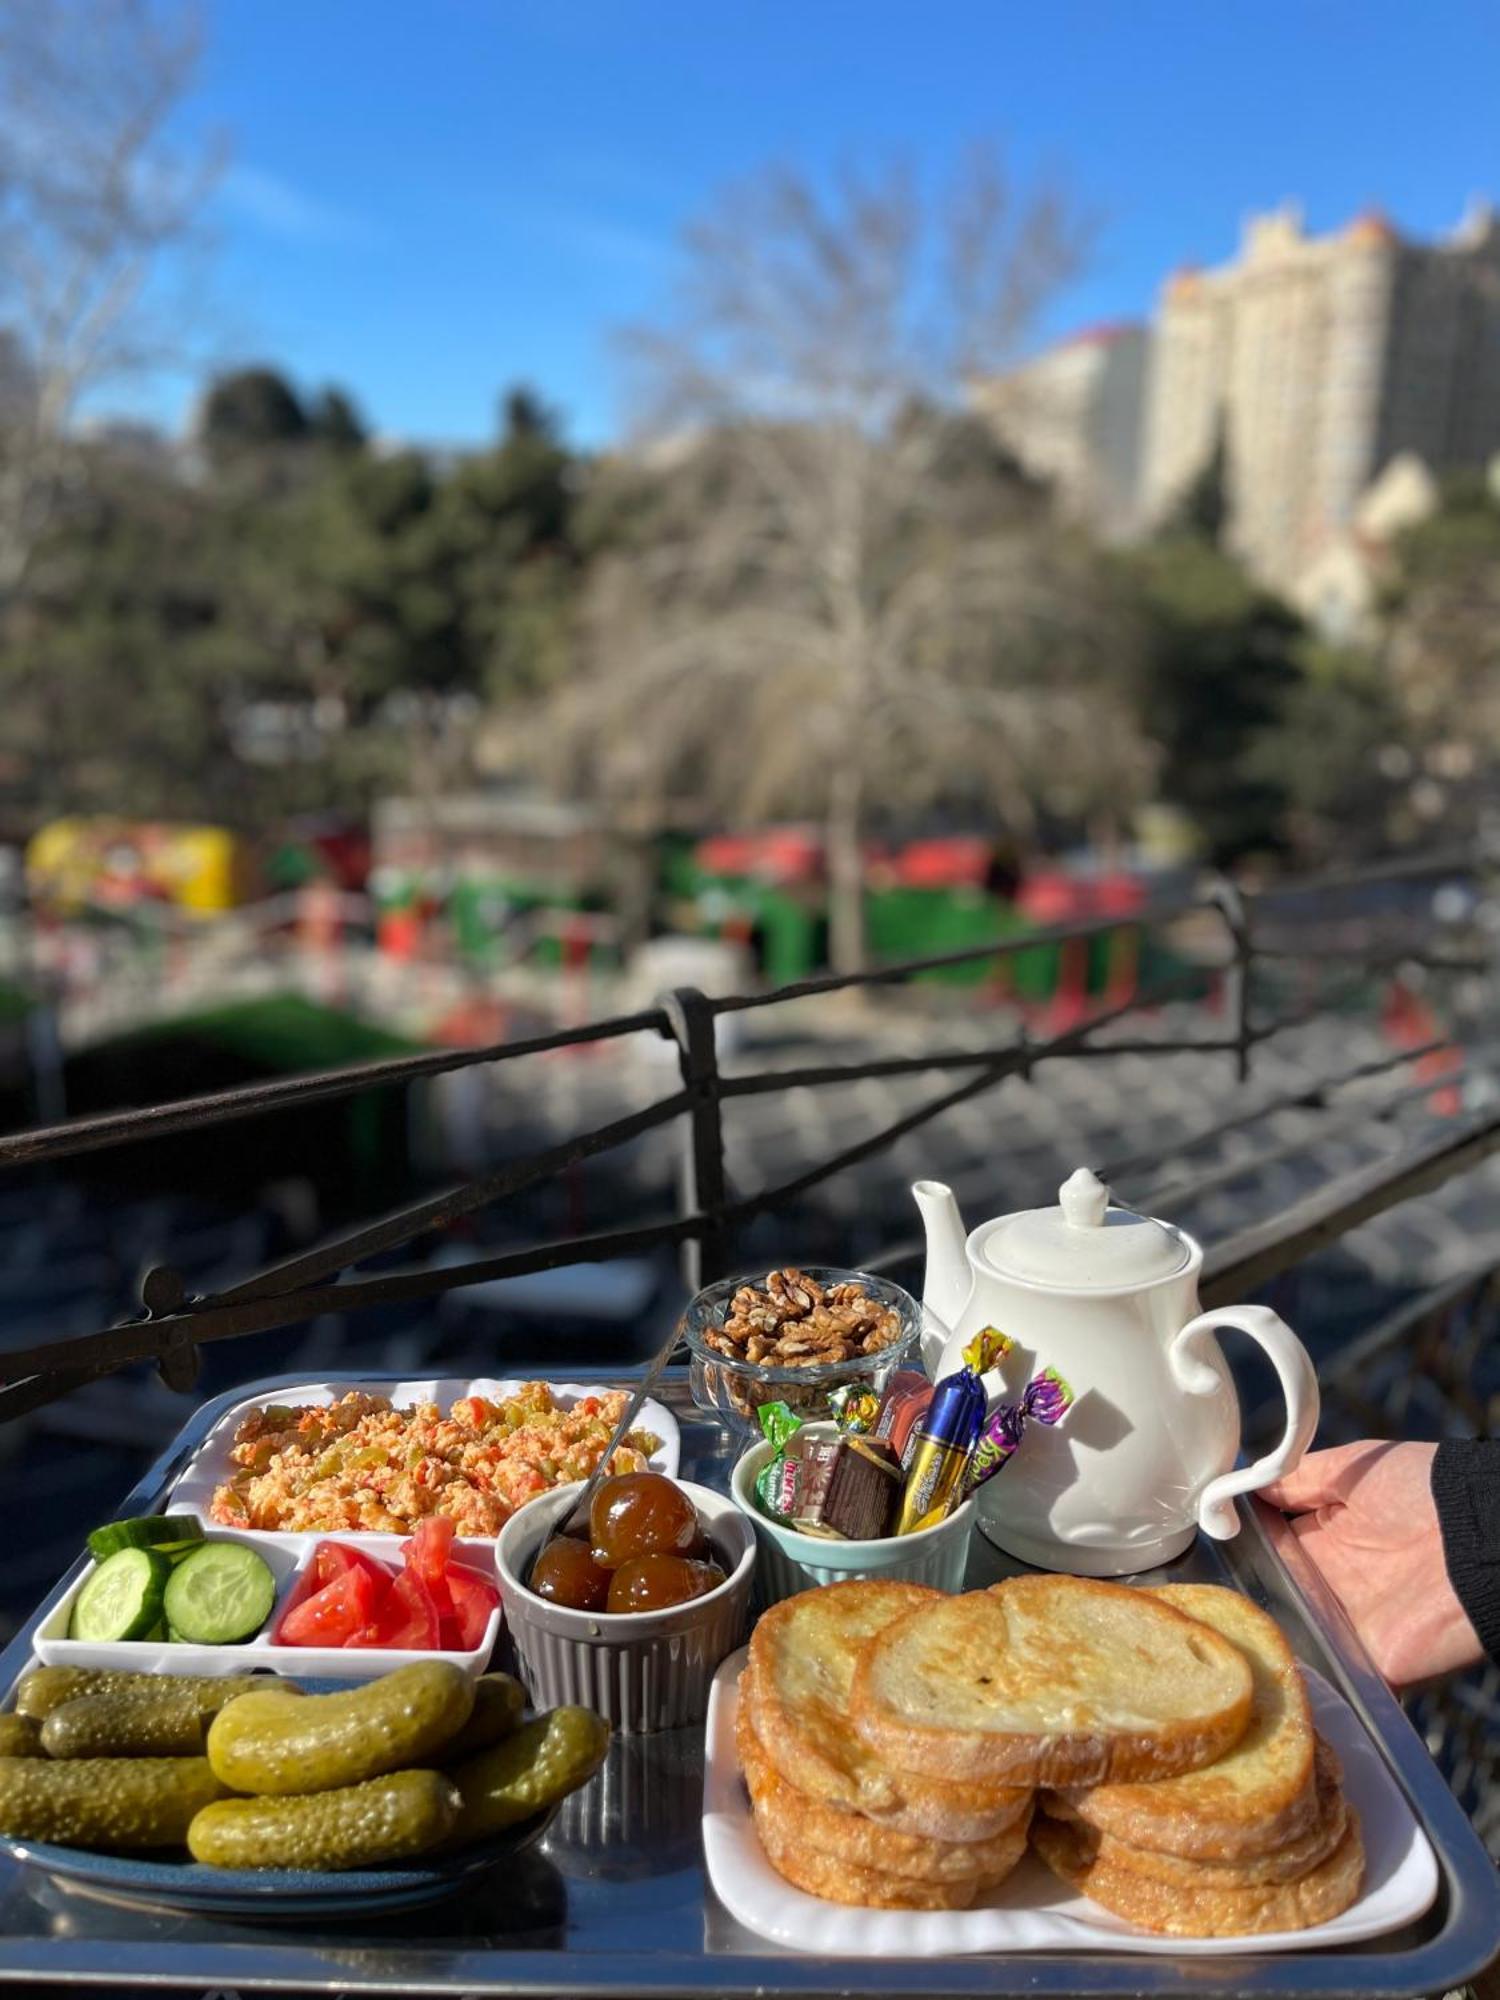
<point x="642" y="1514"/>
<point x="565" y="1573"/>
<point x="652" y="1583"/>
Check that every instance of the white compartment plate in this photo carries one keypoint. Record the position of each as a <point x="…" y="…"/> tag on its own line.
<point x="1032" y="1911"/>
<point x="288" y="1554"/>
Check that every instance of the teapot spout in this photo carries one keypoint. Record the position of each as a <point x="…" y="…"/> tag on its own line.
<point x="946" y="1291"/>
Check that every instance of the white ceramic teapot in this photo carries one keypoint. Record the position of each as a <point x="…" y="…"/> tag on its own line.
<point x="1109" y="1299"/>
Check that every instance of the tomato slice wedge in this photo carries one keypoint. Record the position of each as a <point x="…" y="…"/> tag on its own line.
<point x="332" y="1615"/>
<point x="406" y="1619"/>
<point x="302" y="1589"/>
<point x="428" y="1549"/>
<point x="427" y="1556"/>
<point x="473" y="1598"/>
<point x="332" y="1559"/>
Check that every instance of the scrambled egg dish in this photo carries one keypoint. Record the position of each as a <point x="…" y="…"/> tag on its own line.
<point x="361" y="1464"/>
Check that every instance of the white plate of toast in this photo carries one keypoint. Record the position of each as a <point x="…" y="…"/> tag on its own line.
<point x="1176" y="1760"/>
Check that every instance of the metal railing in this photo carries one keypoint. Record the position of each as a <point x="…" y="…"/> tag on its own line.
<point x="174" y="1325"/>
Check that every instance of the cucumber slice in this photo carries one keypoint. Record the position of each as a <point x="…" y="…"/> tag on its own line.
<point x="168" y="1533"/>
<point x="123" y="1597"/>
<point x="219" y="1594"/>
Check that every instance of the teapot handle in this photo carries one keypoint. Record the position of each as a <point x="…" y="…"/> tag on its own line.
<point x="1299" y="1385"/>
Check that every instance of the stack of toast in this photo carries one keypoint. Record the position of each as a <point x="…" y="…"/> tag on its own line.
<point x="1155" y="1747"/>
<point x="833" y="1816"/>
<point x="1261" y="1840"/>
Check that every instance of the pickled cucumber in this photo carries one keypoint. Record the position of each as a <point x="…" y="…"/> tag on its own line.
<point x="539" y="1764"/>
<point x="161" y="1723"/>
<point x="266" y="1744"/>
<point x="357" y="1826"/>
<point x="20" y="1737"/>
<point x="46" y="1688"/>
<point x="112" y="1803"/>
<point x="499" y="1700"/>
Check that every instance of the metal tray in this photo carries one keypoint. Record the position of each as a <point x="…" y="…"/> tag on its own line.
<point x="613" y="1901"/>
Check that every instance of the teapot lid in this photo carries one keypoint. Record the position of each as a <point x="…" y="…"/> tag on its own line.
<point x="1084" y="1244"/>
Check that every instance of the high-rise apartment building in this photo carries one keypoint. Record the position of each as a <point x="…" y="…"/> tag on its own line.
<point x="1073" y="415"/>
<point x="1319" y="360"/>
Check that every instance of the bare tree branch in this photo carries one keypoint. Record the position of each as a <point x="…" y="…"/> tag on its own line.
<point x="93" y="196"/>
<point x="844" y="599"/>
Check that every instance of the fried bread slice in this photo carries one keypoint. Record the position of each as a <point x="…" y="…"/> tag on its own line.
<point x="838" y="1881"/>
<point x="797" y="1682"/>
<point x="1172" y="1911"/>
<point x="1050" y="1680"/>
<point x="1257" y="1797"/>
<point x="864" y="1843"/>
<point x="1287" y="1863"/>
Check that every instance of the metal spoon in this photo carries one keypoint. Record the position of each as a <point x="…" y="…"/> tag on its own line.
<point x="580" y="1511"/>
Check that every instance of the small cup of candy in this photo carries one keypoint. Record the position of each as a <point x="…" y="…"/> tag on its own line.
<point x="794" y="1559"/>
<point x="885" y="1487"/>
<point x="631" y="1611"/>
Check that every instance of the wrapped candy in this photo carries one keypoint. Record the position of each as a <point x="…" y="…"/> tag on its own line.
<point x="778" y="1484"/>
<point x="986" y="1350"/>
<point x="937" y="1461"/>
<point x="855" y="1409"/>
<point x="1046" y="1399"/>
<point x="780" y="1422"/>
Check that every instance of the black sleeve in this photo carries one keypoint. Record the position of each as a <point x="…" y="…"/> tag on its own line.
<point x="1466" y="1488"/>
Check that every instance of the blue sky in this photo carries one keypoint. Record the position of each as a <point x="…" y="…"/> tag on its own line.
<point x="427" y="199"/>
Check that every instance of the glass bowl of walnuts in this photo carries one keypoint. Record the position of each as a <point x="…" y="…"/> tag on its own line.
<point x="794" y="1336"/>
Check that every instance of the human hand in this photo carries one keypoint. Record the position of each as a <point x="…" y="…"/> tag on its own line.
<point x="1365" y="1516"/>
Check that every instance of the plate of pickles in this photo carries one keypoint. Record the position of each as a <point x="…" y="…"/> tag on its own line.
<point x="253" y="1796"/>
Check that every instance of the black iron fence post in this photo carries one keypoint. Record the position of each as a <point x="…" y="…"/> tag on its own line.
<point x="163" y="1294"/>
<point x="1231" y="906"/>
<point x="690" y="1015"/>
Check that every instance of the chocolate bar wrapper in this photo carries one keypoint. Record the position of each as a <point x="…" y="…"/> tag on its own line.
<point x="859" y="1497"/>
<point x="906" y="1397"/>
<point x="817" y="1456"/>
<point x="792" y="1487"/>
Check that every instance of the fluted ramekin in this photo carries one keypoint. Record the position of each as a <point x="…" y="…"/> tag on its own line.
<point x="641" y="1670"/>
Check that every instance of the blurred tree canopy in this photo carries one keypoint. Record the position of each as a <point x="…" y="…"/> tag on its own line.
<point x="1202" y="509"/>
<point x="280" y="615"/>
<point x="1442" y="633"/>
<point x="1217" y="671"/>
<point x="254" y="409"/>
<point x="1329" y="760"/>
<point x="98" y="196"/>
